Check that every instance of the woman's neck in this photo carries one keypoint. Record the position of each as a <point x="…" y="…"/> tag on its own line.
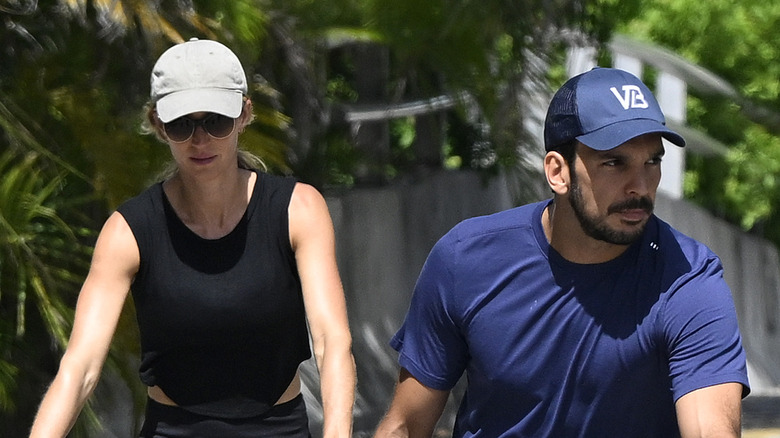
<point x="211" y="208"/>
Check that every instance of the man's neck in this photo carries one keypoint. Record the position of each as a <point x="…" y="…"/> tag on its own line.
<point x="566" y="236"/>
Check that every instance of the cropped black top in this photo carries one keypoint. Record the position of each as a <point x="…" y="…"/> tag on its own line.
<point x="222" y="322"/>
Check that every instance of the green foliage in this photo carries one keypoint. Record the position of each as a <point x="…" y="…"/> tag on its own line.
<point x="602" y="17"/>
<point x="739" y="42"/>
<point x="32" y="237"/>
<point x="43" y="257"/>
<point x="736" y="40"/>
<point x="753" y="180"/>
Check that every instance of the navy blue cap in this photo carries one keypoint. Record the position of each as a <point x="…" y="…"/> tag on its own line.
<point x="604" y="108"/>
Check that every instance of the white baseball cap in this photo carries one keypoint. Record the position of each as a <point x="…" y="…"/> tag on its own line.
<point x="198" y="76"/>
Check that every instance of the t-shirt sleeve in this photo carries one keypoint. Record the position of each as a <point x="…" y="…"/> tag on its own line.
<point x="430" y="344"/>
<point x="704" y="343"/>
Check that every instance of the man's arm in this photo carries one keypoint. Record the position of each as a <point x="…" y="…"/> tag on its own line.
<point x="713" y="411"/>
<point x="414" y="411"/>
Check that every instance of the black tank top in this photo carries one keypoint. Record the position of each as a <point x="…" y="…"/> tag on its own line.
<point x="222" y="323"/>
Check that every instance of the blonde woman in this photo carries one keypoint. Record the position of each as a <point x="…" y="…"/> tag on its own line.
<point x="232" y="270"/>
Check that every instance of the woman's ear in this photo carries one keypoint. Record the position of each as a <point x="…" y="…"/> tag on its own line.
<point x="157" y="125"/>
<point x="556" y="170"/>
<point x="247" y="114"/>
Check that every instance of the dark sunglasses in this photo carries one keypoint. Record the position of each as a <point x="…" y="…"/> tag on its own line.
<point x="216" y="125"/>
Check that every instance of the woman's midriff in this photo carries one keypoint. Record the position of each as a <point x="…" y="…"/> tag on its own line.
<point x="157" y="394"/>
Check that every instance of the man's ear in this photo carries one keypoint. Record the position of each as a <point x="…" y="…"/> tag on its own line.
<point x="556" y="170"/>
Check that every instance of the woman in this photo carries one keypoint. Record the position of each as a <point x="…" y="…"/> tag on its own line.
<point x="226" y="265"/>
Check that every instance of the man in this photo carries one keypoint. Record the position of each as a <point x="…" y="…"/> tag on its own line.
<point x="580" y="316"/>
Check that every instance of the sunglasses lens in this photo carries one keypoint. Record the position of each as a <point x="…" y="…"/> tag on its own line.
<point x="218" y="126"/>
<point x="179" y="130"/>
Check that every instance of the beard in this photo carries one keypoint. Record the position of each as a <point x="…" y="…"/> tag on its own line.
<point x="597" y="227"/>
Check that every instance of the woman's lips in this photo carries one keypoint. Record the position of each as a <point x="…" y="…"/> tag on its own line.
<point x="203" y="160"/>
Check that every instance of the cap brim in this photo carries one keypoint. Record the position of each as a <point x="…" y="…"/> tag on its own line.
<point x="180" y="103"/>
<point x="612" y="136"/>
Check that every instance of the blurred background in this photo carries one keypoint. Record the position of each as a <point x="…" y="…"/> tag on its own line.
<point x="409" y="116"/>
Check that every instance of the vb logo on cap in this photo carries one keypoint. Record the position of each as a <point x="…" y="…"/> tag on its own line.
<point x="604" y="108"/>
<point x="632" y="97"/>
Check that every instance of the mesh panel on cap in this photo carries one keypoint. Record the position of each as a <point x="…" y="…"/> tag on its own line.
<point x="562" y="124"/>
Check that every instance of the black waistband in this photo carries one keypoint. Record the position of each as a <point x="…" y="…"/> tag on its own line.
<point x="285" y="419"/>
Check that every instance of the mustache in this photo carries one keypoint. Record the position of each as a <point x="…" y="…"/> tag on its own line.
<point x="643" y="203"/>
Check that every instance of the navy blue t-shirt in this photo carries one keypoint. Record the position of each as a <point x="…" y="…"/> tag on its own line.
<point x="557" y="349"/>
